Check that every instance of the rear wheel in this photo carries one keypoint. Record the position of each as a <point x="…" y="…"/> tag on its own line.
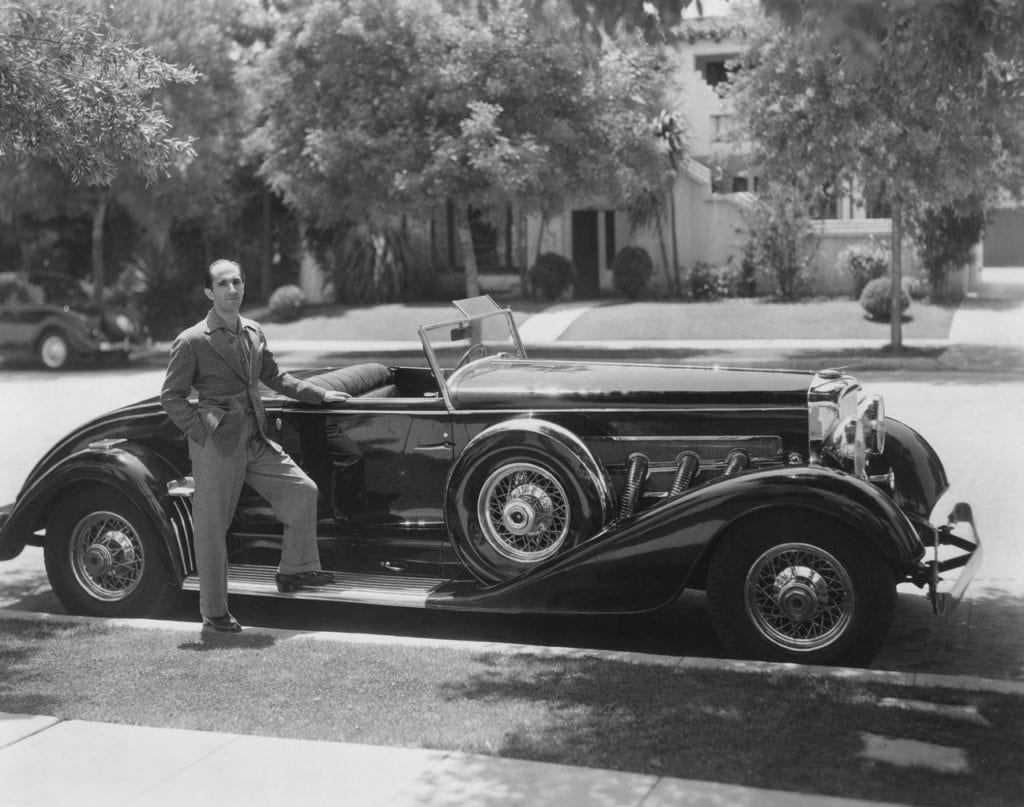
<point x="800" y="590"/>
<point x="102" y="559"/>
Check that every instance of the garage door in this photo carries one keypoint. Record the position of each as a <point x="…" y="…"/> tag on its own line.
<point x="1004" y="238"/>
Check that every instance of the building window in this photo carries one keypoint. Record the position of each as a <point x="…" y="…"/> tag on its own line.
<point x="716" y="69"/>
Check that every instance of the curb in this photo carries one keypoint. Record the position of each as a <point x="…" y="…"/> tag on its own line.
<point x="963" y="683"/>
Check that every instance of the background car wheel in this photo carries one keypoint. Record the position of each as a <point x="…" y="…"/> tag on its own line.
<point x="512" y="508"/>
<point x="54" y="350"/>
<point x="102" y="559"/>
<point x="800" y="590"/>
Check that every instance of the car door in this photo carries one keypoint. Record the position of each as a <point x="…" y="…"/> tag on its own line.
<point x="380" y="465"/>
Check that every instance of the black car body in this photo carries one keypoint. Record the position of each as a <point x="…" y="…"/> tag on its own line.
<point x="491" y="481"/>
<point x="49" y="317"/>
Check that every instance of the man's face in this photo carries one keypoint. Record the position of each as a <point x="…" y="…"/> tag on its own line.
<point x="227" y="290"/>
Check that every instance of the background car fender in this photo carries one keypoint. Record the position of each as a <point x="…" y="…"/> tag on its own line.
<point x="75" y="330"/>
<point x="132" y="469"/>
<point x="645" y="562"/>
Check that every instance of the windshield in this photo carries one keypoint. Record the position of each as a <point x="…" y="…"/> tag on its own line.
<point x="483" y="329"/>
<point x="472" y="337"/>
<point x="59" y="289"/>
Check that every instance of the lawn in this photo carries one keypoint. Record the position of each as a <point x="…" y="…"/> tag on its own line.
<point x="738" y="318"/>
<point x="784" y="731"/>
<point x="755" y="318"/>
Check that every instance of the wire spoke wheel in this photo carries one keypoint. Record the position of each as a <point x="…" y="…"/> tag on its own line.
<point x="523" y="511"/>
<point x="106" y="556"/>
<point x="799" y="596"/>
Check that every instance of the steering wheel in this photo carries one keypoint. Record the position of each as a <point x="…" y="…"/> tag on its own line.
<point x="468" y="355"/>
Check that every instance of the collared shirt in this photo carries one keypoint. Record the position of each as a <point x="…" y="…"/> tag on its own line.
<point x="239" y="336"/>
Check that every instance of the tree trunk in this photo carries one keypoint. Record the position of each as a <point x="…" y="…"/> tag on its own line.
<point x="267" y="249"/>
<point x="99" y="220"/>
<point x="896" y="309"/>
<point x="676" y="285"/>
<point x="468" y="252"/>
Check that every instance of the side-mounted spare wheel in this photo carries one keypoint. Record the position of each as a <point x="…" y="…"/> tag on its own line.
<point x="800" y="589"/>
<point x="102" y="558"/>
<point x="521" y="493"/>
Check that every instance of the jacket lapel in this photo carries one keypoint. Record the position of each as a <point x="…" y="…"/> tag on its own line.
<point x="250" y="332"/>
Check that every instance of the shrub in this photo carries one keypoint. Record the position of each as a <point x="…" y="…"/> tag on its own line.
<point x="862" y="263"/>
<point x="551" y="275"/>
<point x="631" y="270"/>
<point x="876" y="298"/>
<point x="782" y="242"/>
<point x="709" y="282"/>
<point x="945" y="239"/>
<point x="287" y="302"/>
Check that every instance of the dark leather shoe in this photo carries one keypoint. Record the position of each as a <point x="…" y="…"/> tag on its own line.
<point x="290" y="582"/>
<point x="225" y="623"/>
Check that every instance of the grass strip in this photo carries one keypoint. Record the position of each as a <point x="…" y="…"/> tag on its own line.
<point x="781" y="732"/>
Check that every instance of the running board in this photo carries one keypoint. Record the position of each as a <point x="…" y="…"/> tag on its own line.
<point x="372" y="589"/>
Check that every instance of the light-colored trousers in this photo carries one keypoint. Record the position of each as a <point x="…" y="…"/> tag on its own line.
<point x="219" y="479"/>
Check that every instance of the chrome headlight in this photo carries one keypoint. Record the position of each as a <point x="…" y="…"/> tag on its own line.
<point x="124" y="324"/>
<point x="872" y="415"/>
<point x="846" y="447"/>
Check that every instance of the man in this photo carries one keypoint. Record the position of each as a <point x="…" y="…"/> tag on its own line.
<point x="224" y="357"/>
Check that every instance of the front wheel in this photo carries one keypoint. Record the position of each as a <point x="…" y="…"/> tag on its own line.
<point x="54" y="351"/>
<point x="800" y="590"/>
<point x="102" y="559"/>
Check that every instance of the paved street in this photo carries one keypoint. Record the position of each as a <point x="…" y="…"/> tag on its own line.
<point x="971" y="419"/>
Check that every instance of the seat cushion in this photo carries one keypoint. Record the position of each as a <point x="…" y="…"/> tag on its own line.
<point x="355" y="379"/>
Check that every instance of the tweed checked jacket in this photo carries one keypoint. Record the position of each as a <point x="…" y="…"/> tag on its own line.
<point x="206" y="357"/>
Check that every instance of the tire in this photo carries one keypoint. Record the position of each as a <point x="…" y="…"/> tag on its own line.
<point x="803" y="590"/>
<point x="103" y="560"/>
<point x="513" y="507"/>
<point x="54" y="351"/>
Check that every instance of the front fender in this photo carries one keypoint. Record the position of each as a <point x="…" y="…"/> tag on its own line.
<point x="918" y="474"/>
<point x="645" y="561"/>
<point x="134" y="470"/>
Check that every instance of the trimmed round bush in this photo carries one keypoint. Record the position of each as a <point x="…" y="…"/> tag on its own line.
<point x="287" y="302"/>
<point x="862" y="263"/>
<point x="552" y="275"/>
<point x="876" y="298"/>
<point x="631" y="270"/>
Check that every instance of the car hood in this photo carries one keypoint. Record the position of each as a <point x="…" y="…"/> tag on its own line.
<point x="498" y="383"/>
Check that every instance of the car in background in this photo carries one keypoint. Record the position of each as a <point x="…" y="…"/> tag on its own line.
<point x="49" y="317"/>
<point x="480" y="479"/>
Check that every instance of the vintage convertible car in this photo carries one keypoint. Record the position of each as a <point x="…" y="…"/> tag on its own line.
<point x="486" y="480"/>
<point x="50" y="317"/>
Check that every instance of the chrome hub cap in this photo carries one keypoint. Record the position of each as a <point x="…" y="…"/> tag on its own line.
<point x="799" y="597"/>
<point x="524" y="513"/>
<point x="529" y="509"/>
<point x="54" y="351"/>
<point x="799" y="591"/>
<point x="106" y="556"/>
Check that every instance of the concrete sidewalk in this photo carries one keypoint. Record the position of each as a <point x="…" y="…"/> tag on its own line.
<point x="51" y="763"/>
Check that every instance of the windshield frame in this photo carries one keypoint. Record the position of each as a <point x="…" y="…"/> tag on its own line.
<point x="472" y="326"/>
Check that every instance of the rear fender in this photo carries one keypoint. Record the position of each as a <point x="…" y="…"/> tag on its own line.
<point x="131" y="469"/>
<point x="644" y="562"/>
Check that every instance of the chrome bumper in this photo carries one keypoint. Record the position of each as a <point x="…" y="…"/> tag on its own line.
<point x="951" y="551"/>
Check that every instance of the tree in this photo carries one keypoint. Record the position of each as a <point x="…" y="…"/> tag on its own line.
<point x="75" y="91"/>
<point x="378" y="109"/>
<point x="919" y="101"/>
